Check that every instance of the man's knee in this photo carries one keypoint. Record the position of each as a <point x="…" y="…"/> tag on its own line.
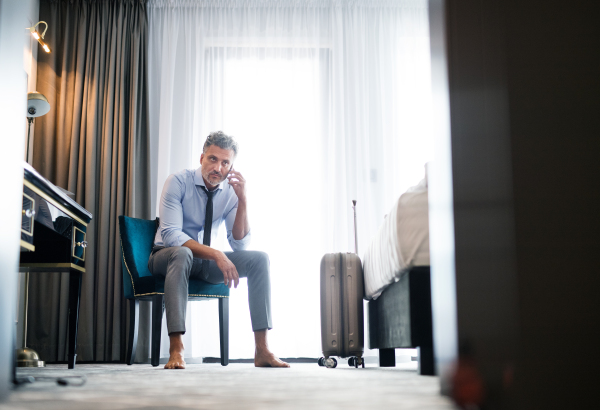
<point x="181" y="255"/>
<point x="261" y="263"/>
<point x="261" y="260"/>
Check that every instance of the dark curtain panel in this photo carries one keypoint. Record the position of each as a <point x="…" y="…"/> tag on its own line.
<point x="93" y="143"/>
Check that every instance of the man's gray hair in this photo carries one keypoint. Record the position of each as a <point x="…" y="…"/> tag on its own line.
<point x="221" y="140"/>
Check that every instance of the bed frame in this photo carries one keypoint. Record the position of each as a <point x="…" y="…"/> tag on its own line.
<point x="401" y="318"/>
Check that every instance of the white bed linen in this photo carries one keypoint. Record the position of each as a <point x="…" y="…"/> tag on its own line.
<point x="401" y="243"/>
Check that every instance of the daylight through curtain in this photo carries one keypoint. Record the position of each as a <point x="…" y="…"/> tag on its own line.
<point x="329" y="100"/>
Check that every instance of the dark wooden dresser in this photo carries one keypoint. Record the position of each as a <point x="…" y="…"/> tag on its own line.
<point x="53" y="239"/>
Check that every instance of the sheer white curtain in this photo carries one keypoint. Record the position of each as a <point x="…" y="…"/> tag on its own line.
<point x="329" y="100"/>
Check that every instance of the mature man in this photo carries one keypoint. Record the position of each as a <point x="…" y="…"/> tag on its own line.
<point x="181" y="246"/>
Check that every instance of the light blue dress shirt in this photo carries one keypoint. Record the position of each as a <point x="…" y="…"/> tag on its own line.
<point x="183" y="207"/>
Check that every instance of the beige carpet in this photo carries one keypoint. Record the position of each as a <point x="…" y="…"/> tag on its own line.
<point x="237" y="386"/>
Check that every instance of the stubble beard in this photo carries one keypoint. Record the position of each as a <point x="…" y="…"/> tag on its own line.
<point x="214" y="178"/>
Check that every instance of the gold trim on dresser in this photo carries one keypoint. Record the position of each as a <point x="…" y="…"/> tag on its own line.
<point x="80" y="244"/>
<point x="32" y="208"/>
<point x="52" y="201"/>
<point x="27" y="246"/>
<point x="47" y="267"/>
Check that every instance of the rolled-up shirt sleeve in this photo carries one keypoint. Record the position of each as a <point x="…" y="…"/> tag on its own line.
<point x="236" y="244"/>
<point x="171" y="213"/>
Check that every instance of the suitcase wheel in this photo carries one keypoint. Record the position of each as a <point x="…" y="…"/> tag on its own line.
<point x="356" y="361"/>
<point x="321" y="361"/>
<point x="330" y="363"/>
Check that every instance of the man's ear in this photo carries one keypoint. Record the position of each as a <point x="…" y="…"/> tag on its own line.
<point x="201" y="158"/>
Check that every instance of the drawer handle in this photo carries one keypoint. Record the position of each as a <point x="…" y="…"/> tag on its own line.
<point x="82" y="244"/>
<point x="28" y="213"/>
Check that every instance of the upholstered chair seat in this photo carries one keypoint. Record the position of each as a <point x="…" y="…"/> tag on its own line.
<point x="137" y="239"/>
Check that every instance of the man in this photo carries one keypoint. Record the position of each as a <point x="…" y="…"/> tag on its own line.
<point x="181" y="246"/>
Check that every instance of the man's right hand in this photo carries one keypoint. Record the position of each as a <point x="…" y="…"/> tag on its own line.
<point x="230" y="273"/>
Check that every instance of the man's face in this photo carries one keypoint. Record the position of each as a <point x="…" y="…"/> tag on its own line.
<point x="216" y="163"/>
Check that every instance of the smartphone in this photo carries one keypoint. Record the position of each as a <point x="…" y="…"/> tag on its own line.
<point x="230" y="169"/>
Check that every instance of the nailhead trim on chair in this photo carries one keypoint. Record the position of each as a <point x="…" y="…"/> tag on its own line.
<point x="206" y="296"/>
<point x="155" y="293"/>
<point x="123" y="255"/>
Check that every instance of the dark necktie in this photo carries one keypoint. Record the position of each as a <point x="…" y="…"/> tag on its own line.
<point x="207" y="224"/>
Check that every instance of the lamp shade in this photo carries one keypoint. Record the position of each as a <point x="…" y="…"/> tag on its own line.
<point x="37" y="104"/>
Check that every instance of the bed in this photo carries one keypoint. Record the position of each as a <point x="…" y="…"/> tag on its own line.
<point x="397" y="282"/>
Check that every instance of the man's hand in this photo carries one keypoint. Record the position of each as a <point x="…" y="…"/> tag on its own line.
<point x="238" y="183"/>
<point x="241" y="227"/>
<point x="230" y="273"/>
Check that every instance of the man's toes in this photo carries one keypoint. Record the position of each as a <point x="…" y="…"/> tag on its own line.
<point x="280" y="363"/>
<point x="175" y="364"/>
<point x="269" y="360"/>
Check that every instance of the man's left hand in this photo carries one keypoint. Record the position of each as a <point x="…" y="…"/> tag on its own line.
<point x="238" y="183"/>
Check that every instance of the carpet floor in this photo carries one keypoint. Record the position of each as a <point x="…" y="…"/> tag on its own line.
<point x="237" y="386"/>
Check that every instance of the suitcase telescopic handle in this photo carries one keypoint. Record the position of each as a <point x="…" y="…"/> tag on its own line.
<point x="355" y="234"/>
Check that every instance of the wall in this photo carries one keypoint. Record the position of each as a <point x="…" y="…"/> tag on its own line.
<point x="522" y="98"/>
<point x="481" y="199"/>
<point x="553" y="63"/>
<point x="13" y="98"/>
<point x="441" y="207"/>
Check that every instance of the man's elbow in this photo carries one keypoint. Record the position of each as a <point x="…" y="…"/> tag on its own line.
<point x="170" y="239"/>
<point x="238" y="246"/>
<point x="240" y="234"/>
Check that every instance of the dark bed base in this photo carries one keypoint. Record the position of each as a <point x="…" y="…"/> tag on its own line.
<point x="401" y="318"/>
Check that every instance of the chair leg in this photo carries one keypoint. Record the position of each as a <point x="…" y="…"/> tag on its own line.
<point x="158" y="308"/>
<point x="134" y="321"/>
<point x="224" y="329"/>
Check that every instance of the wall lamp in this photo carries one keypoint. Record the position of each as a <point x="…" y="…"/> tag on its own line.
<point x="39" y="38"/>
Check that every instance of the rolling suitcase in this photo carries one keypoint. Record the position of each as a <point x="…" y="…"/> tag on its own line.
<point x="342" y="291"/>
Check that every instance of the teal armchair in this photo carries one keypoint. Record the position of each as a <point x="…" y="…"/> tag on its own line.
<point x="137" y="239"/>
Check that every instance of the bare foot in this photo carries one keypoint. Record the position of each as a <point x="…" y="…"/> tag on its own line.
<point x="262" y="355"/>
<point x="175" y="361"/>
<point x="175" y="352"/>
<point x="268" y="359"/>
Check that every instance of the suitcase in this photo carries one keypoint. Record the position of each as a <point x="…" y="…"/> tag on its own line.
<point x="342" y="323"/>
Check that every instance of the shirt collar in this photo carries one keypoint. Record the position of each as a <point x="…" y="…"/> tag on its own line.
<point x="198" y="180"/>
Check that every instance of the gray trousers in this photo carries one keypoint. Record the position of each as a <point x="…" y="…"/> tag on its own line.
<point x="177" y="265"/>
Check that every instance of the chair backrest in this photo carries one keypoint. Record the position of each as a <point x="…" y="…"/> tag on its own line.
<point x="137" y="239"/>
